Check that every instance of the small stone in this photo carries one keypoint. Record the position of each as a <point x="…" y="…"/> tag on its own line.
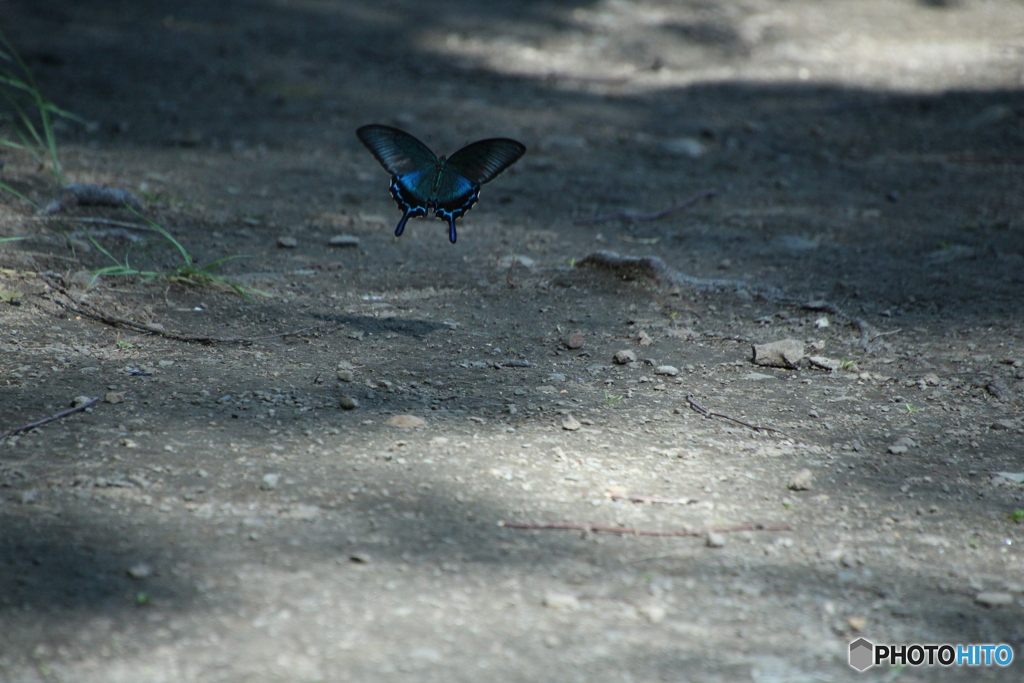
<point x="857" y="624"/>
<point x="669" y="370"/>
<point x="785" y="353"/>
<point x="343" y="241"/>
<point x="114" y="397"/>
<point x="1003" y="424"/>
<point x="897" y="449"/>
<point x="802" y="480"/>
<point x="725" y="264"/>
<point x="624" y="357"/>
<point x="993" y="599"/>
<point x="165" y="363"/>
<point x="571" y="424"/>
<point x="286" y="242"/>
<point x="575" y="341"/>
<point x="830" y="364"/>
<point x="931" y="379"/>
<point x="821" y="322"/>
<point x="562" y="602"/>
<point x="140" y="571"/>
<point x="714" y="540"/>
<point x="644" y="339"/>
<point x="653" y="613"/>
<point x="28" y="497"/>
<point x="518" y="260"/>
<point x="346" y="375"/>
<point x="270" y="482"/>
<point x="687" y="147"/>
<point x="348" y="402"/>
<point x="406" y="421"/>
<point x="79" y="400"/>
<point x="556" y="377"/>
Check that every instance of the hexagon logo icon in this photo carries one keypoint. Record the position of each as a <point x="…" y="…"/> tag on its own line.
<point x="861" y="654"/>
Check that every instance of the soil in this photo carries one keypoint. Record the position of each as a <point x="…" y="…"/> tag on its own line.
<point x="220" y="516"/>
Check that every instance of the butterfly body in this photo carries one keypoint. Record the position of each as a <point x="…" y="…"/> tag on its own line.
<point x="422" y="182"/>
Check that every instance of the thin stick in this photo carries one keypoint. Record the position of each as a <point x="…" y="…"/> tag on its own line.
<point x="637" y="217"/>
<point x="98" y="221"/>
<point x="89" y="310"/>
<point x="653" y="499"/>
<point x="678" y="533"/>
<point x="709" y="413"/>
<point x="58" y="416"/>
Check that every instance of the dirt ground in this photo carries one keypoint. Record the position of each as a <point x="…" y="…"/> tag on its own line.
<point x="219" y="516"/>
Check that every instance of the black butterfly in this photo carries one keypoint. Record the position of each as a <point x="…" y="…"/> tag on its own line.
<point x="421" y="180"/>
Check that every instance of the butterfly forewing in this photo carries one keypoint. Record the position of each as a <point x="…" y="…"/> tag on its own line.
<point x="397" y="151"/>
<point x="481" y="161"/>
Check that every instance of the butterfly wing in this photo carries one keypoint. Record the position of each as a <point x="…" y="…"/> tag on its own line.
<point x="397" y="151"/>
<point x="481" y="161"/>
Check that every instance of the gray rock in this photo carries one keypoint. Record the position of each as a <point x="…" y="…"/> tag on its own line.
<point x="714" y="540"/>
<point x="346" y="375"/>
<point x="785" y="353"/>
<point x="343" y="241"/>
<point x="562" y="602"/>
<point x="270" y="481"/>
<point x="571" y="424"/>
<point x="802" y="480"/>
<point x="624" y="357"/>
<point x="140" y="571"/>
<point x="286" y="242"/>
<point x="348" y="402"/>
<point x="993" y="599"/>
<point x="669" y="370"/>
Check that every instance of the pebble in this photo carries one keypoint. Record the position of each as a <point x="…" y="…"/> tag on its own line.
<point x="644" y="339"/>
<point x="821" y="322"/>
<point x="830" y="364"/>
<point x="993" y="599"/>
<point x="556" y="377"/>
<point x="785" y="353"/>
<point x="508" y="261"/>
<point x="270" y="481"/>
<point x="165" y="363"/>
<point x="687" y="147"/>
<point x="653" y="613"/>
<point x="343" y="241"/>
<point x="406" y="421"/>
<point x="576" y="341"/>
<point x="28" y="497"/>
<point x="114" y="397"/>
<point x="669" y="370"/>
<point x="561" y="601"/>
<point x="140" y="571"/>
<point x="348" y="402"/>
<point x="714" y="540"/>
<point x="624" y="357"/>
<point x="571" y="424"/>
<point x="286" y="242"/>
<point x="802" y="480"/>
<point x="346" y="375"/>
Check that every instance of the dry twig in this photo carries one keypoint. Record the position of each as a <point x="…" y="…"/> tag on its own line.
<point x="653" y="216"/>
<point x="709" y="413"/>
<point x="89" y="310"/>
<point x="45" y="420"/>
<point x="654" y="499"/>
<point x="569" y="526"/>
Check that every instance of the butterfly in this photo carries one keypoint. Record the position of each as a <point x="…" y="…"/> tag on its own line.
<point x="421" y="180"/>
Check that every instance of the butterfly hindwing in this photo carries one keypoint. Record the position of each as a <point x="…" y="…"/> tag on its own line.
<point x="481" y="161"/>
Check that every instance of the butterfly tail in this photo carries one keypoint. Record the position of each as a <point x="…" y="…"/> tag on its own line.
<point x="401" y="224"/>
<point x="451" y="228"/>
